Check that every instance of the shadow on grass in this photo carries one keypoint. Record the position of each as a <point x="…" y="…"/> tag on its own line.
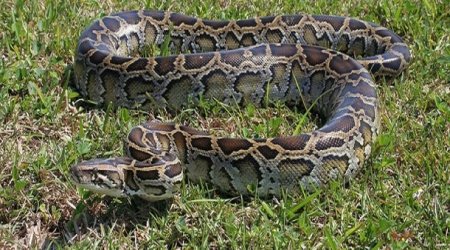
<point x="94" y="215"/>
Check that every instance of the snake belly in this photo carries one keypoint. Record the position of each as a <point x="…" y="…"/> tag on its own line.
<point x="301" y="60"/>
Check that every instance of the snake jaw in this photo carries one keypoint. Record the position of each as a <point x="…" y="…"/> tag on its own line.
<point x="123" y="177"/>
<point x="101" y="175"/>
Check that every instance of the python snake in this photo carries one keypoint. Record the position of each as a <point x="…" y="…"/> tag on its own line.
<point x="301" y="60"/>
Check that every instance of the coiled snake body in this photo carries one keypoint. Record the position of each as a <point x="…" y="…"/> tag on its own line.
<point x="297" y="59"/>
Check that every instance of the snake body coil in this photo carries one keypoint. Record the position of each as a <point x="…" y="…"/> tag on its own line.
<point x="297" y="59"/>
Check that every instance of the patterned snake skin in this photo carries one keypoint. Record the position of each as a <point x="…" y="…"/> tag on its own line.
<point x="302" y="60"/>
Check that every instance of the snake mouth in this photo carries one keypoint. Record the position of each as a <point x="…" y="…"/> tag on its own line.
<point x="87" y="171"/>
<point x="101" y="175"/>
<point x="123" y="177"/>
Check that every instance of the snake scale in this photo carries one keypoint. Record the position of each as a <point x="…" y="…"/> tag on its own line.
<point x="301" y="60"/>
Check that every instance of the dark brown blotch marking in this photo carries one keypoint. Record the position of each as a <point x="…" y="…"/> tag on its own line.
<point x="138" y="154"/>
<point x="314" y="55"/>
<point x="246" y="23"/>
<point x="173" y="170"/>
<point x="165" y="65"/>
<point x="267" y="152"/>
<point x="356" y="25"/>
<point x="233" y="57"/>
<point x="97" y="57"/>
<point x="138" y="65"/>
<point x="342" y="66"/>
<point x="258" y="51"/>
<point x="119" y="60"/>
<point x="195" y="61"/>
<point x="329" y="142"/>
<point x="267" y="19"/>
<point x="135" y="136"/>
<point x="111" y="23"/>
<point x="178" y="19"/>
<point x="216" y="24"/>
<point x="247" y="159"/>
<point x="283" y="50"/>
<point x="292" y="142"/>
<point x="229" y="145"/>
<point x="202" y="143"/>
<point x="147" y="174"/>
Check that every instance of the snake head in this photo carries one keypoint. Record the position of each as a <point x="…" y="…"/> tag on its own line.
<point x="154" y="180"/>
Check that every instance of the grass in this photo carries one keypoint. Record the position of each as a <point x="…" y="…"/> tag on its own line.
<point x="400" y="200"/>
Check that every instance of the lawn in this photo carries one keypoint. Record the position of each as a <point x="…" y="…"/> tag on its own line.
<point x="400" y="199"/>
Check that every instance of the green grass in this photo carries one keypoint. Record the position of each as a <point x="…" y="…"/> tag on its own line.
<point x="400" y="200"/>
